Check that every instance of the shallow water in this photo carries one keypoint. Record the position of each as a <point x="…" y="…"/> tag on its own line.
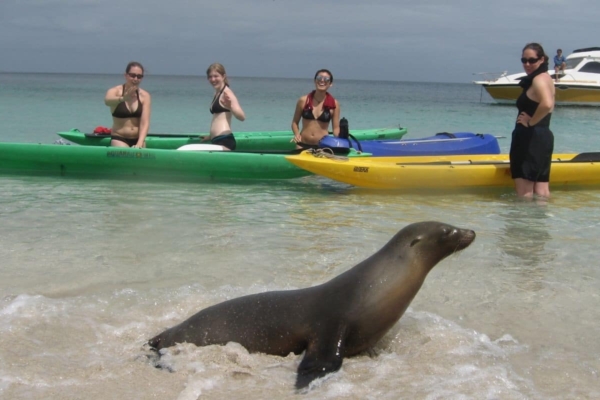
<point x="90" y="269"/>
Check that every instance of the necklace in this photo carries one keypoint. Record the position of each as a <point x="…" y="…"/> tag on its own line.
<point x="317" y="100"/>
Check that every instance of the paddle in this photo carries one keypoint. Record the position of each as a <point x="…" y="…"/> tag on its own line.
<point x="586" y="157"/>
<point x="581" y="157"/>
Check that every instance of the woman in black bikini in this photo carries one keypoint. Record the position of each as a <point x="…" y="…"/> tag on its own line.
<point x="130" y="107"/>
<point x="532" y="140"/>
<point x="224" y="103"/>
<point x="316" y="109"/>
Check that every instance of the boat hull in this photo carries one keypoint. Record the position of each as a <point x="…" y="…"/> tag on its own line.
<point x="506" y="94"/>
<point x="145" y="164"/>
<point x="440" y="172"/>
<point x="440" y="144"/>
<point x="565" y="94"/>
<point x="246" y="141"/>
<point x="578" y="84"/>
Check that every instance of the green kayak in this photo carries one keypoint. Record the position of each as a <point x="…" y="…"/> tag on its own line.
<point x="246" y="141"/>
<point x="147" y="164"/>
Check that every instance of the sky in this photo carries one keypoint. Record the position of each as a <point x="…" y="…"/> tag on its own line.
<point x="398" y="40"/>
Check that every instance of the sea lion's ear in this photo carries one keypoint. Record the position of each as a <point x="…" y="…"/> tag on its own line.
<point x="415" y="241"/>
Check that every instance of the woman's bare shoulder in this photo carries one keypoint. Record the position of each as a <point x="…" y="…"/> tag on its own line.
<point x="543" y="80"/>
<point x="229" y="91"/>
<point x="118" y="88"/>
<point x="144" y="93"/>
<point x="302" y="99"/>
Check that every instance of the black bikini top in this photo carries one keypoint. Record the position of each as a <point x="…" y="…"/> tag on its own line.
<point x="121" y="110"/>
<point x="215" y="106"/>
<point x="328" y="106"/>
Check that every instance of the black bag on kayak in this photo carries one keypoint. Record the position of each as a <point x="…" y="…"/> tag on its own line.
<point x="344" y="131"/>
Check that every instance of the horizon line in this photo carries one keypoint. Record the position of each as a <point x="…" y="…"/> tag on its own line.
<point x="232" y="76"/>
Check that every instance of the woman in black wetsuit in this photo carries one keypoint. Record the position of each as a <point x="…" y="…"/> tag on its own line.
<point x="317" y="110"/>
<point x="532" y="141"/>
<point x="130" y="107"/>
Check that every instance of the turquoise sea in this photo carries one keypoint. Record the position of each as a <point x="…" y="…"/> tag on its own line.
<point x="90" y="269"/>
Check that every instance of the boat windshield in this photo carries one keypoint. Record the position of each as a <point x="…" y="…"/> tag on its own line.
<point x="573" y="62"/>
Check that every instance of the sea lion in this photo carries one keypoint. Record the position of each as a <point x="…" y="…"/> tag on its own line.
<point x="340" y="318"/>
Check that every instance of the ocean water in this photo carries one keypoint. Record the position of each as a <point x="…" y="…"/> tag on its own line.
<point x="91" y="269"/>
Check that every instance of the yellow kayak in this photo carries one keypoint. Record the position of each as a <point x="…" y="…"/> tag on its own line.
<point x="464" y="171"/>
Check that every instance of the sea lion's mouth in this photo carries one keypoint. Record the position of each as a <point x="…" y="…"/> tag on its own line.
<point x="466" y="238"/>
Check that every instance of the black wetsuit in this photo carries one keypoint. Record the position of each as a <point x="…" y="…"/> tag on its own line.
<point x="531" y="147"/>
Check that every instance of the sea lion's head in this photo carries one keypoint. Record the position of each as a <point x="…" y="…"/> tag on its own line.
<point x="429" y="242"/>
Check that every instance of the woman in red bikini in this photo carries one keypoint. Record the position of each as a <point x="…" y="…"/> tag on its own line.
<point x="130" y="107"/>
<point x="316" y="109"/>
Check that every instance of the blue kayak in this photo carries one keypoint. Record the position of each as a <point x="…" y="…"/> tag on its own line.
<point x="440" y="144"/>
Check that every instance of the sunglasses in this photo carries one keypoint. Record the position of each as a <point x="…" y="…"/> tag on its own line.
<point x="322" y="78"/>
<point x="139" y="76"/>
<point x="529" y="60"/>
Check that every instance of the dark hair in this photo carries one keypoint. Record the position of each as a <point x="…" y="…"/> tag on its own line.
<point x="134" y="64"/>
<point x="539" y="50"/>
<point x="326" y="71"/>
<point x="559" y="50"/>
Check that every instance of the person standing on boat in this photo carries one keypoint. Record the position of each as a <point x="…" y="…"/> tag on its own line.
<point x="224" y="103"/>
<point x="316" y="109"/>
<point x="130" y="107"/>
<point x="560" y="63"/>
<point x="532" y="140"/>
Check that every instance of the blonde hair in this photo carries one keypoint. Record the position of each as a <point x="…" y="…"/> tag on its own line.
<point x="218" y="68"/>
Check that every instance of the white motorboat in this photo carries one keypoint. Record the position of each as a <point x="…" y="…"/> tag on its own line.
<point x="578" y="84"/>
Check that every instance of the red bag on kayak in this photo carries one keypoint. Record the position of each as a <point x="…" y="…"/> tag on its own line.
<point x="101" y="130"/>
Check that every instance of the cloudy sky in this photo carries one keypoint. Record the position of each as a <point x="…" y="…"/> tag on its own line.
<point x="424" y="40"/>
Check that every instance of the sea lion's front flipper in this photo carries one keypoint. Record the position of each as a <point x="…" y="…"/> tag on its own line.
<point x="323" y="355"/>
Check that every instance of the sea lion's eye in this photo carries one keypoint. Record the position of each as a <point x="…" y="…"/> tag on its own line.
<point x="415" y="241"/>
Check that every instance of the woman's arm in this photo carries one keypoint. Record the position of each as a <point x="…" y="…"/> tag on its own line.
<point x="546" y="98"/>
<point x="144" y="120"/>
<point x="296" y="119"/>
<point x="336" y="119"/>
<point x="231" y="102"/>
<point x="113" y="97"/>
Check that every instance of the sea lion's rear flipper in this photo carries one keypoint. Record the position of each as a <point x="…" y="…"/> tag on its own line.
<point x="323" y="356"/>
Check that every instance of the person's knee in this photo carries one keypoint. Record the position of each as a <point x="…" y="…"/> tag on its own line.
<point x="542" y="189"/>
